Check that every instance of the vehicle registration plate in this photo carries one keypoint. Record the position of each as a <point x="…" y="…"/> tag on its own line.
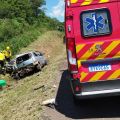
<point x="99" y="67"/>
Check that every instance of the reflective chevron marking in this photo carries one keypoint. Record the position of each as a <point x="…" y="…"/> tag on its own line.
<point x="86" y="52"/>
<point x="88" y="2"/>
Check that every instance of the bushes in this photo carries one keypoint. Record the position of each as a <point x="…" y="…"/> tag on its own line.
<point x="9" y="28"/>
<point x="17" y="34"/>
<point x="16" y="16"/>
<point x="22" y="40"/>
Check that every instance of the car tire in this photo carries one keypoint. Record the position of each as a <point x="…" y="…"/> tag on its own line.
<point x="21" y="75"/>
<point x="38" y="67"/>
<point x="15" y="76"/>
<point x="76" y="101"/>
<point x="46" y="62"/>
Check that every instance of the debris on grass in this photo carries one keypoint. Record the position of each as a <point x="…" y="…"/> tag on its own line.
<point x="49" y="101"/>
<point x="54" y="86"/>
<point x="40" y="87"/>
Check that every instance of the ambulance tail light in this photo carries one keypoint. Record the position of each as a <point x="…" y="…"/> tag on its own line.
<point x="72" y="56"/>
<point x="76" y="86"/>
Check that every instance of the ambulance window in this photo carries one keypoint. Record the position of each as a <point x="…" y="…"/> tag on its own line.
<point x="96" y="22"/>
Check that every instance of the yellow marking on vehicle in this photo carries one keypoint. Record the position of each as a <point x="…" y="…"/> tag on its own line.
<point x="115" y="75"/>
<point x="79" y="47"/>
<point x="103" y="1"/>
<point x="87" y="2"/>
<point x="79" y="63"/>
<point x="117" y="55"/>
<point x="73" y="1"/>
<point x="97" y="76"/>
<point x="109" y="49"/>
<point x="89" y="52"/>
<point x="83" y="75"/>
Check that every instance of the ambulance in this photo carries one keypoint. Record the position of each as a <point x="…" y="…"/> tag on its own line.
<point x="92" y="29"/>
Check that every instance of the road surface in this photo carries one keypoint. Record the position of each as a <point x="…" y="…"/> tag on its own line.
<point x="97" y="109"/>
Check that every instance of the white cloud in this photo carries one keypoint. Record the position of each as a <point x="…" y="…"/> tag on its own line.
<point x="58" y="10"/>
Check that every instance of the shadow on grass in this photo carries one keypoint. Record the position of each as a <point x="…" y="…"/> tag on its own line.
<point x="95" y="108"/>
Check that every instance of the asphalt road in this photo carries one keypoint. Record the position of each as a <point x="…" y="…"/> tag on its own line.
<point x="102" y="109"/>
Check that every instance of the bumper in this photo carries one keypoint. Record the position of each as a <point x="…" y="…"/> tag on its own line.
<point x="97" y="89"/>
<point x="98" y="94"/>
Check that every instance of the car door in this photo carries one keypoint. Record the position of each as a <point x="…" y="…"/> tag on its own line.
<point x="38" y="57"/>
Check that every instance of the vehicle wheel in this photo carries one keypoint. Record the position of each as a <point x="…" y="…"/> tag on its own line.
<point x="21" y="75"/>
<point x="76" y="101"/>
<point x="38" y="67"/>
<point x="80" y="102"/>
<point x="15" y="76"/>
<point x="46" y="62"/>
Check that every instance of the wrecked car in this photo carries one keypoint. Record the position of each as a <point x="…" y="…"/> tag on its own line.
<point x="28" y="62"/>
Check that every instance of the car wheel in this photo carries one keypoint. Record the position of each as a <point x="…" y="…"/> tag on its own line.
<point x="46" y="62"/>
<point x="39" y="67"/>
<point x="15" y="76"/>
<point x="21" y="75"/>
<point x="76" y="101"/>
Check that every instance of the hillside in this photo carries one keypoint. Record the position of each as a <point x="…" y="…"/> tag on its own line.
<point x="21" y="101"/>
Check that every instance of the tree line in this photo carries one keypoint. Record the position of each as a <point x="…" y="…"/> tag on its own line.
<point x="16" y="16"/>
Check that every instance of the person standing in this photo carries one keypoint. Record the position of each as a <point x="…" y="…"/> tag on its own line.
<point x="2" y="59"/>
<point x="7" y="53"/>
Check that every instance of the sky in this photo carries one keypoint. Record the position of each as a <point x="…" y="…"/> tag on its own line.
<point x="55" y="9"/>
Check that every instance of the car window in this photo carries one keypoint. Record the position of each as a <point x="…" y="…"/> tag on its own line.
<point x="41" y="54"/>
<point x="38" y="54"/>
<point x="35" y="54"/>
<point x="23" y="58"/>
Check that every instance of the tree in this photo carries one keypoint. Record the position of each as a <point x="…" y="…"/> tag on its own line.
<point x="36" y="4"/>
<point x="25" y="9"/>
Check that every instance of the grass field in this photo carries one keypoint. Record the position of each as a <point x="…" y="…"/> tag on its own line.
<point x="21" y="101"/>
